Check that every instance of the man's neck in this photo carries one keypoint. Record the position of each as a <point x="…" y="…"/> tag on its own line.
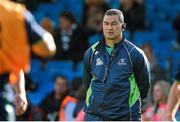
<point x="111" y="42"/>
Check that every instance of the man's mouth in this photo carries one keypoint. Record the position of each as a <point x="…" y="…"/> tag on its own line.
<point x="110" y="32"/>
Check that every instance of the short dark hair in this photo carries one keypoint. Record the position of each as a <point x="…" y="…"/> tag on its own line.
<point x="69" y="16"/>
<point x="115" y="12"/>
<point x="56" y="76"/>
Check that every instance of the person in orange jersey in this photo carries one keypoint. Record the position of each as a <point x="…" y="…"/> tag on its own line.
<point x="19" y="34"/>
<point x="66" y="109"/>
<point x="68" y="103"/>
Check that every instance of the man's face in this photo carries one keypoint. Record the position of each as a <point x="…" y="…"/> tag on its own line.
<point x="60" y="85"/>
<point x="112" y="27"/>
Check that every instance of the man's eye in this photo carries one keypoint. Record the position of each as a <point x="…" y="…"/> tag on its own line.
<point x="114" y="23"/>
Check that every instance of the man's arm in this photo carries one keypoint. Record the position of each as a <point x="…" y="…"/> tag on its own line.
<point x="45" y="47"/>
<point x="142" y="72"/>
<point x="42" y="41"/>
<point x="20" y="95"/>
<point x="87" y="76"/>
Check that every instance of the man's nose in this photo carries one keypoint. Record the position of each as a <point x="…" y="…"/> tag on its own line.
<point x="109" y="27"/>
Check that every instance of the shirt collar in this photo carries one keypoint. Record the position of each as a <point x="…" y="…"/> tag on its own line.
<point x="102" y="44"/>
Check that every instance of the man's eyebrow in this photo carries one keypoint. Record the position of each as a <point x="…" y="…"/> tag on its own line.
<point x="106" y="22"/>
<point x="114" y="22"/>
<point x="110" y="22"/>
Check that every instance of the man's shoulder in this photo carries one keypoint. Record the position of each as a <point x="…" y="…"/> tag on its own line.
<point x="92" y="48"/>
<point x="132" y="48"/>
<point x="136" y="53"/>
<point x="90" y="51"/>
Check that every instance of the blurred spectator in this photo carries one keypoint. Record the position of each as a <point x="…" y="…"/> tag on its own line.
<point x="157" y="112"/>
<point x="134" y="13"/>
<point x="94" y="21"/>
<point x="157" y="73"/>
<point x="35" y="114"/>
<point x="176" y="25"/>
<point x="29" y="84"/>
<point x="93" y="15"/>
<point x="47" y="24"/>
<point x="94" y="26"/>
<point x="76" y="84"/>
<point x="70" y="39"/>
<point x="91" y="6"/>
<point x="51" y="104"/>
<point x="78" y="92"/>
<point x="67" y="106"/>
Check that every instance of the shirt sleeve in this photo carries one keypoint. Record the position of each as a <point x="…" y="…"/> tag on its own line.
<point x="87" y="76"/>
<point x="34" y="30"/>
<point x="69" y="109"/>
<point x="141" y="69"/>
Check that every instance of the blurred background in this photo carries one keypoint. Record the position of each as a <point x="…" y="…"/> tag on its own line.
<point x="152" y="25"/>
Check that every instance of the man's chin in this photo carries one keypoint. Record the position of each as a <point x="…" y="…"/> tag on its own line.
<point x="109" y="38"/>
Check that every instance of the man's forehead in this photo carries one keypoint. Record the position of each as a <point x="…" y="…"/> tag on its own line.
<point x="111" y="18"/>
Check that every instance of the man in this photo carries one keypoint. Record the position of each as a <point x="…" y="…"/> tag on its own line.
<point x="116" y="74"/>
<point x="18" y="30"/>
<point x="174" y="98"/>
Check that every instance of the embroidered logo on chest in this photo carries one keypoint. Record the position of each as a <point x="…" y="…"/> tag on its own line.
<point x="99" y="62"/>
<point x="122" y="61"/>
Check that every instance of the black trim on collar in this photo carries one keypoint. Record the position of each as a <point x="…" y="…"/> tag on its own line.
<point x="101" y="44"/>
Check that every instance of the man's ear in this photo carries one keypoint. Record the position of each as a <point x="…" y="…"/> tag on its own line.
<point x="123" y="26"/>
